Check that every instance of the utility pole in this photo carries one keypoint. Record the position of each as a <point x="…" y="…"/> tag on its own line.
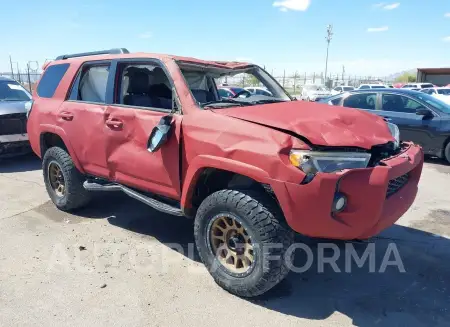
<point x="343" y="73"/>
<point x="328" y="38"/>
<point x="12" y="69"/>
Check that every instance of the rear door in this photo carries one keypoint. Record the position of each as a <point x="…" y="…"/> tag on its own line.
<point x="82" y="116"/>
<point x="142" y="96"/>
<point x="401" y="110"/>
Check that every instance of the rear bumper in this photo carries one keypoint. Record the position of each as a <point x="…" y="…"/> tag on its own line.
<point x="307" y="208"/>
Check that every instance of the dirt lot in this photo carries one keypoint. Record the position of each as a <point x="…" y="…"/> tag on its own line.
<point x="115" y="264"/>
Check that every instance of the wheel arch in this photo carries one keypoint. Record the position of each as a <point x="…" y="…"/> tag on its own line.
<point x="225" y="173"/>
<point x="54" y="136"/>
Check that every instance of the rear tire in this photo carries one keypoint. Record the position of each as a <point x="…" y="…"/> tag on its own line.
<point x="262" y="230"/>
<point x="447" y="153"/>
<point x="63" y="181"/>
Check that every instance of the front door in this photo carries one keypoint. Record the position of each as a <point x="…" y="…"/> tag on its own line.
<point x="142" y="96"/>
<point x="401" y="110"/>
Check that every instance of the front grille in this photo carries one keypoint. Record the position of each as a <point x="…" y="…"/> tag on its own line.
<point x="13" y="124"/>
<point x="396" y="185"/>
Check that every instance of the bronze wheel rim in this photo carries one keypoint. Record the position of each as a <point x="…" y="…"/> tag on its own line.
<point x="56" y="179"/>
<point x="231" y="244"/>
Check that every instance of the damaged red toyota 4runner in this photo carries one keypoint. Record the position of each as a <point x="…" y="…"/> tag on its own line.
<point x="251" y="170"/>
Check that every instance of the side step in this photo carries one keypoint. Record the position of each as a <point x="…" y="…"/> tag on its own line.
<point x="155" y="204"/>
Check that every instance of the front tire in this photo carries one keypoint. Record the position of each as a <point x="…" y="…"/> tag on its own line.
<point x="242" y="241"/>
<point x="447" y="153"/>
<point x="63" y="181"/>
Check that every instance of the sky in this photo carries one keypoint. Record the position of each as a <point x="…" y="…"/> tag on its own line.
<point x="370" y="37"/>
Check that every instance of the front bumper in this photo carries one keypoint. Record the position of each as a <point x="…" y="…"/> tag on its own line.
<point x="369" y="210"/>
<point x="14" y="145"/>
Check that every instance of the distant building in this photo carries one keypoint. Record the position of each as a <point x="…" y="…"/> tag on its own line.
<point x="436" y="76"/>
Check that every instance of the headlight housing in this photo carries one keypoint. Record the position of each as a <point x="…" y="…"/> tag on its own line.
<point x="312" y="162"/>
<point x="395" y="133"/>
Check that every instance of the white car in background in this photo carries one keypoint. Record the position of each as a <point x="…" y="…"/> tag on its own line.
<point x="372" y="86"/>
<point x="259" y="91"/>
<point x="313" y="92"/>
<point x="442" y="93"/>
<point x="341" y="89"/>
<point x="417" y="86"/>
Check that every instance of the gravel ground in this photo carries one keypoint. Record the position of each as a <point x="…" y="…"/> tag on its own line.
<point x="120" y="263"/>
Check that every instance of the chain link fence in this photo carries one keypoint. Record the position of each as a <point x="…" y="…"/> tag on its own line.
<point x="293" y="83"/>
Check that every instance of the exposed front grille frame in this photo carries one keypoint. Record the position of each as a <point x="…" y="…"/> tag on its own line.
<point x="11" y="124"/>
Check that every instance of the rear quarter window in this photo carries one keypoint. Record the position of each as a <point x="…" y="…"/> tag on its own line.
<point x="50" y="80"/>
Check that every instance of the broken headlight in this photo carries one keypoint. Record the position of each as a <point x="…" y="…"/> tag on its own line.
<point x="328" y="162"/>
<point x="395" y="133"/>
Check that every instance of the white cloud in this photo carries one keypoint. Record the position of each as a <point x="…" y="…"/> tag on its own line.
<point x="377" y="29"/>
<point x="446" y="39"/>
<point x="145" y="35"/>
<point x="299" y="5"/>
<point x="386" y="6"/>
<point x="379" y="5"/>
<point x="447" y="15"/>
<point x="392" y="6"/>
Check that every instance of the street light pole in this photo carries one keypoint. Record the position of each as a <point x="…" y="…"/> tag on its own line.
<point x="328" y="38"/>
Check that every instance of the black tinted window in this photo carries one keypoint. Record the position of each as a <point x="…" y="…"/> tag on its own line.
<point x="361" y="101"/>
<point x="398" y="103"/>
<point x="50" y="80"/>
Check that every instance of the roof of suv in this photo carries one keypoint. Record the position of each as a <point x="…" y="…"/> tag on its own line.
<point x="221" y="64"/>
<point x="4" y="78"/>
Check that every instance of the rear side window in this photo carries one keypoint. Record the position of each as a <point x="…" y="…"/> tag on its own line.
<point x="91" y="85"/>
<point x="50" y="80"/>
<point x="361" y="101"/>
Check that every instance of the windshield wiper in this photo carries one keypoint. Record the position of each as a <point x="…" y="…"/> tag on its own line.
<point x="225" y="101"/>
<point x="267" y="101"/>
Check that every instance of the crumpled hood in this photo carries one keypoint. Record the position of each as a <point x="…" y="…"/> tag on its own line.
<point x="12" y="107"/>
<point x="321" y="124"/>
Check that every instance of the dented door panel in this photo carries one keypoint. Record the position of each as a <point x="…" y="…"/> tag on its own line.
<point x="128" y="160"/>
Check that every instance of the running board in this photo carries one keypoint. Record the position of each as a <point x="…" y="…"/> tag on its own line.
<point x="155" y="204"/>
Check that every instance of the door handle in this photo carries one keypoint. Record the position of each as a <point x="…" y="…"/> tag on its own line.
<point x="66" y="115"/>
<point x="114" y="123"/>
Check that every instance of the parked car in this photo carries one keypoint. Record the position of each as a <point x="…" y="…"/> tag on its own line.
<point x="259" y="91"/>
<point x="14" y="100"/>
<point x="372" y="86"/>
<point x="417" y="86"/>
<point x="341" y="89"/>
<point x="250" y="171"/>
<point x="421" y="118"/>
<point x="232" y="91"/>
<point x="442" y="93"/>
<point x="313" y="92"/>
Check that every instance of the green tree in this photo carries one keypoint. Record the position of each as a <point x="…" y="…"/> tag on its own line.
<point x="406" y="78"/>
<point x="251" y="80"/>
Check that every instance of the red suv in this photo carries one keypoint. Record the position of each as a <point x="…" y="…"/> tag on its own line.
<point x="251" y="171"/>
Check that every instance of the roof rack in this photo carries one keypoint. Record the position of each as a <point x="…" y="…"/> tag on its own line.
<point x="93" y="53"/>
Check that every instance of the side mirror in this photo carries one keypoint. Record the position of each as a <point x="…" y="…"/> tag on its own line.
<point x="424" y="112"/>
<point x="160" y="134"/>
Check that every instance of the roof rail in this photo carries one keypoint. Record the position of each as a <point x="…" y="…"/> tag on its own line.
<point x="93" y="53"/>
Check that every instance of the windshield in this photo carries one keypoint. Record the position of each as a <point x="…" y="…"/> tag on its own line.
<point x="203" y="80"/>
<point x="444" y="91"/>
<point x="348" y="88"/>
<point x="435" y="102"/>
<point x="13" y="91"/>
